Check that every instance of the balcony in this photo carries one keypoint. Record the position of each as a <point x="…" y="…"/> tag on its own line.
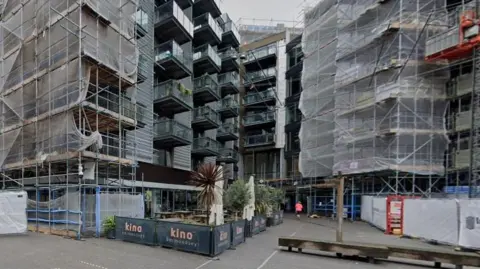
<point x="141" y="19"/>
<point x="173" y="61"/>
<point x="261" y="58"/>
<point x="228" y="132"/>
<point x="169" y="133"/>
<point x="260" y="99"/>
<point x="206" y="31"/>
<point x="293" y="118"/>
<point x="172" y="23"/>
<point x="204" y="147"/>
<point x="205" y="90"/>
<point x="228" y="83"/>
<point x="261" y="79"/>
<point x="229" y="58"/>
<point x="259" y="120"/>
<point x="230" y="36"/>
<point x="206" y="60"/>
<point x="171" y="97"/>
<point x="229" y="108"/>
<point x="227" y="155"/>
<point x="111" y="107"/>
<point x="259" y="140"/>
<point x="143" y="68"/>
<point x="205" y="118"/>
<point x="203" y="6"/>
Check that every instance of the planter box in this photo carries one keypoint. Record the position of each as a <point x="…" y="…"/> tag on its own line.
<point x="238" y="232"/>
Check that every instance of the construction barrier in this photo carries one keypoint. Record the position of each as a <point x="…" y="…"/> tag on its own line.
<point x="446" y="221"/>
<point x="13" y="218"/>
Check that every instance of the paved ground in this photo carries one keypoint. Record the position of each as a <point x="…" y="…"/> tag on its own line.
<point x="48" y="252"/>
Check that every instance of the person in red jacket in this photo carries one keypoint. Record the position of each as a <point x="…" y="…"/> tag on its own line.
<point x="298" y="208"/>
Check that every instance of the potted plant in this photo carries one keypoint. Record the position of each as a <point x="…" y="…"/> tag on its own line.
<point x="236" y="197"/>
<point x="109" y="227"/>
<point x="206" y="178"/>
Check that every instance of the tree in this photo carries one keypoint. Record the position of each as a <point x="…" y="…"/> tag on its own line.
<point x="206" y="177"/>
<point x="237" y="196"/>
<point x="262" y="198"/>
<point x="277" y="197"/>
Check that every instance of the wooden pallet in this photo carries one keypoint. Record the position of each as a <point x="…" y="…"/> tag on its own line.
<point x="52" y="231"/>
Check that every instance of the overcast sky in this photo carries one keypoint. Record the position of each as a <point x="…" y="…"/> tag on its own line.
<point x="285" y="10"/>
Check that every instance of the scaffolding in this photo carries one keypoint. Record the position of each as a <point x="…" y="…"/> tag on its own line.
<point x="374" y="109"/>
<point x="70" y="71"/>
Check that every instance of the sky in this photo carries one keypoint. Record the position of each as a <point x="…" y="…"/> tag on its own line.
<point x="284" y="10"/>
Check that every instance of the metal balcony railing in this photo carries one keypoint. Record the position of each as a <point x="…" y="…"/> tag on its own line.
<point x="169" y="127"/>
<point x="173" y="88"/>
<point x="171" y="8"/>
<point x="259" y="118"/>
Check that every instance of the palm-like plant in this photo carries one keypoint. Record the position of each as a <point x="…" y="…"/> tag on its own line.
<point x="206" y="177"/>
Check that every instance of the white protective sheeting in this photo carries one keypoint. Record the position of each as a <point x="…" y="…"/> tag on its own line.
<point x="469" y="236"/>
<point x="379" y="212"/>
<point x="13" y="216"/>
<point x="431" y="219"/>
<point x="366" y="212"/>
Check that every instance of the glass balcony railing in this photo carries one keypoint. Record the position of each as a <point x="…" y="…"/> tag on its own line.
<point x="230" y="26"/>
<point x="207" y="19"/>
<point x="169" y="127"/>
<point x="170" y="8"/>
<point x="226" y="153"/>
<point x="261" y="139"/>
<point x="141" y="18"/>
<point x="261" y="52"/>
<point x="259" y="96"/>
<point x="207" y="51"/>
<point x="228" y="128"/>
<point x="171" y="49"/>
<point x="229" y="103"/>
<point x="228" y="53"/>
<point x="260" y="74"/>
<point x="121" y="105"/>
<point x="229" y="77"/>
<point x="205" y="143"/>
<point x="259" y="118"/>
<point x="205" y="82"/>
<point x="143" y="66"/>
<point x="205" y="113"/>
<point x="172" y="88"/>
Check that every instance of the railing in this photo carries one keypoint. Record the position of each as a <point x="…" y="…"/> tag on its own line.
<point x="117" y="104"/>
<point x="207" y="19"/>
<point x="205" y="82"/>
<point x="172" y="88"/>
<point x="207" y="51"/>
<point x="261" y="52"/>
<point x="229" y="77"/>
<point x="141" y="18"/>
<point x="228" y="153"/>
<point x="205" y="112"/>
<point x="229" y="103"/>
<point x="259" y="96"/>
<point x="252" y="140"/>
<point x="261" y="74"/>
<point x="293" y="114"/>
<point x="171" y="49"/>
<point x="143" y="66"/>
<point x="230" y="26"/>
<point x="228" y="52"/>
<point x="171" y="8"/>
<point x="112" y="146"/>
<point x="259" y="118"/>
<point x="159" y="157"/>
<point x="205" y="143"/>
<point x="228" y="128"/>
<point x="167" y="127"/>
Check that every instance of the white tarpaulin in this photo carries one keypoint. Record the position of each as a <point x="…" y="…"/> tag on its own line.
<point x="431" y="219"/>
<point x="366" y="208"/>
<point x="379" y="214"/>
<point x="469" y="236"/>
<point x="13" y="215"/>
